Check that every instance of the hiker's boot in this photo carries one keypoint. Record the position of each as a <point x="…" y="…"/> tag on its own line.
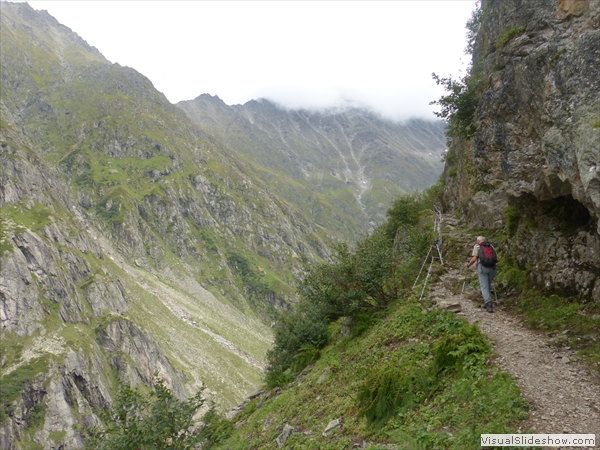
<point x="488" y="307"/>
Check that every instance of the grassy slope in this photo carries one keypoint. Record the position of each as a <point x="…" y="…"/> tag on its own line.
<point x="418" y="378"/>
<point x="444" y="401"/>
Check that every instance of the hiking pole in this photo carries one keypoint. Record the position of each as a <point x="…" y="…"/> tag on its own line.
<point x="464" y="282"/>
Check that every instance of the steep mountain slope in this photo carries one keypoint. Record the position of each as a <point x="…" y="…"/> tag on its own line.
<point x="76" y="313"/>
<point x="355" y="158"/>
<point x="132" y="242"/>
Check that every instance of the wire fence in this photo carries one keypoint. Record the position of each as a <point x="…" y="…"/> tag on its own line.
<point x="436" y="246"/>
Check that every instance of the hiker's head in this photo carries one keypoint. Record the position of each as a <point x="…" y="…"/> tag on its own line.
<point x="480" y="239"/>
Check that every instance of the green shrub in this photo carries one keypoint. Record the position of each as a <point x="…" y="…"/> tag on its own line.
<point x="12" y="384"/>
<point x="382" y="394"/>
<point x="154" y="421"/>
<point x="466" y="351"/>
<point x="459" y="105"/>
<point x="353" y="282"/>
<point x="361" y="322"/>
<point x="404" y="211"/>
<point x="296" y="331"/>
<point x="409" y="222"/>
<point x="215" y="430"/>
<point x="306" y="355"/>
<point x="390" y="391"/>
<point x="408" y="210"/>
<point x="278" y="376"/>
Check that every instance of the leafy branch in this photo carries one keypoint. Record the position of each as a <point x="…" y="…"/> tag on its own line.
<point x="459" y="105"/>
<point x="157" y="420"/>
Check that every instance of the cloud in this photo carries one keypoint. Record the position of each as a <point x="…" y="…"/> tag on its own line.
<point x="299" y="54"/>
<point x="396" y="106"/>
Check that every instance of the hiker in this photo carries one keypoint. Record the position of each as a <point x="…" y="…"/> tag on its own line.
<point x="486" y="258"/>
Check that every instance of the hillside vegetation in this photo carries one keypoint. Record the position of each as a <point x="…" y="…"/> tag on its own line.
<point x="372" y="358"/>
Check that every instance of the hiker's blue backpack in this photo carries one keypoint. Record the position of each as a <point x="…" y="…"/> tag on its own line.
<point x="487" y="255"/>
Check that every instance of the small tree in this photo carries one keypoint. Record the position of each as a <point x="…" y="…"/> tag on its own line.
<point x="473" y="26"/>
<point x="459" y="105"/>
<point x="404" y="212"/>
<point x="301" y="331"/>
<point x="354" y="281"/>
<point x="154" y="421"/>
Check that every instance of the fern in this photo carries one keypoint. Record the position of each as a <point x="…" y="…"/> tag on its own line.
<point x="307" y="354"/>
<point x="466" y="351"/>
<point x="389" y="392"/>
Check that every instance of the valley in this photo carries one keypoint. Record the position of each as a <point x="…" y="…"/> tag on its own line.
<point x="140" y="237"/>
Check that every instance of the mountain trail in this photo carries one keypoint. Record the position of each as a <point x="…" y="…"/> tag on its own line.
<point x="564" y="395"/>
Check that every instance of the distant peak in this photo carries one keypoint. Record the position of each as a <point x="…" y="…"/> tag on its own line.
<point x="209" y="97"/>
<point x="261" y="101"/>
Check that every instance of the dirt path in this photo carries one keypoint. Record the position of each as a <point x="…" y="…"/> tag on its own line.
<point x="564" y="395"/>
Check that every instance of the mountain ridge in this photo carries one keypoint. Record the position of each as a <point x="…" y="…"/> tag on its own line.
<point x="330" y="149"/>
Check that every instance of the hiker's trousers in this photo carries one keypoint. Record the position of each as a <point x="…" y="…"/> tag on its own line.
<point x="486" y="275"/>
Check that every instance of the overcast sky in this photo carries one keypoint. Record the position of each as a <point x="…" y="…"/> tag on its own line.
<point x="306" y="54"/>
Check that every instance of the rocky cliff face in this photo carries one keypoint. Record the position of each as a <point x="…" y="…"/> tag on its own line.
<point x="111" y="226"/>
<point x="65" y="328"/>
<point x="533" y="165"/>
